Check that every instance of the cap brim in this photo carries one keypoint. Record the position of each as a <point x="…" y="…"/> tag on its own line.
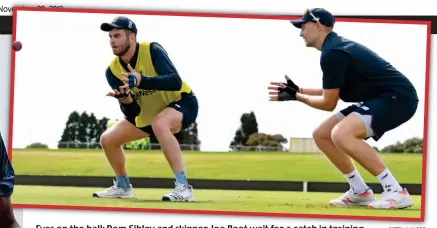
<point x="297" y="23"/>
<point x="108" y="27"/>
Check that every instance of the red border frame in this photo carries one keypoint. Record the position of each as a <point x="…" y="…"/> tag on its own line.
<point x="227" y="15"/>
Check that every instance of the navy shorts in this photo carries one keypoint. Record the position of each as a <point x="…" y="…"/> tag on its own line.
<point x="7" y="174"/>
<point x="187" y="105"/>
<point x="382" y="114"/>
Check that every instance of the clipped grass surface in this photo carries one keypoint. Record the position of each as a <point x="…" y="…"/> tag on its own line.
<point x="217" y="200"/>
<point x="208" y="165"/>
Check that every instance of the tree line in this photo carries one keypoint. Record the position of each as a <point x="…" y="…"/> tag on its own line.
<point x="412" y="145"/>
<point x="83" y="130"/>
<point x="248" y="138"/>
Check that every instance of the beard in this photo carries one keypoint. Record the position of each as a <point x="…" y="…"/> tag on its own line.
<point x="124" y="49"/>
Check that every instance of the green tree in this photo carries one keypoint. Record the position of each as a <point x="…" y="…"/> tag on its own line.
<point x="37" y="145"/>
<point x="83" y="136"/>
<point x="187" y="138"/>
<point x="93" y="126"/>
<point x="71" y="130"/>
<point x="412" y="145"/>
<point x="249" y="126"/>
<point x="82" y="129"/>
<point x="265" y="142"/>
<point x="101" y="127"/>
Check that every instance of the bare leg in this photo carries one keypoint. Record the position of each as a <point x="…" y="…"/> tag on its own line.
<point x="112" y="141"/>
<point x="360" y="194"/>
<point x="348" y="136"/>
<point x="165" y="125"/>
<point x="322" y="138"/>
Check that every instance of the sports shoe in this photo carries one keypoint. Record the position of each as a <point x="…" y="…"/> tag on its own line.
<point x="182" y="192"/>
<point x="351" y="199"/>
<point x="115" y="192"/>
<point x="393" y="200"/>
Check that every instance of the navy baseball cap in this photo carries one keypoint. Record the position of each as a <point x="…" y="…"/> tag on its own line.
<point x="120" y="23"/>
<point x="315" y="15"/>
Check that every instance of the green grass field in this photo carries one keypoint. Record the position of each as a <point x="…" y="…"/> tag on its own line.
<point x="208" y="165"/>
<point x="217" y="200"/>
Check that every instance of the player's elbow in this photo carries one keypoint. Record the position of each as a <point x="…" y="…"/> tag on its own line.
<point x="330" y="99"/>
<point x="330" y="106"/>
<point x="130" y="110"/>
<point x="177" y="83"/>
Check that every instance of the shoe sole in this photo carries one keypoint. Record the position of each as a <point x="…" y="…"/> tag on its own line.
<point x="167" y="199"/>
<point x="363" y="204"/>
<point x="349" y="205"/>
<point x="395" y="207"/>
<point x="95" y="195"/>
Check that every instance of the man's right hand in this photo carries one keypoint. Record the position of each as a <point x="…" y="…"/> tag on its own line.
<point x="283" y="91"/>
<point x="123" y="97"/>
<point x="291" y="84"/>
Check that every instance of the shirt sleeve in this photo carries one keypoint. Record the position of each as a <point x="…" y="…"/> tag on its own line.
<point x="168" y="78"/>
<point x="334" y="64"/>
<point x="113" y="81"/>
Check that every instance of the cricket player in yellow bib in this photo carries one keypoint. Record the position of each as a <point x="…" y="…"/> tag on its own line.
<point x="155" y="101"/>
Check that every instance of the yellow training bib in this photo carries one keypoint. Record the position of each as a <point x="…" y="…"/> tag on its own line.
<point x="151" y="102"/>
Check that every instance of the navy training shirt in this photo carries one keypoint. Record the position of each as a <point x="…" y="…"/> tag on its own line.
<point x="360" y="73"/>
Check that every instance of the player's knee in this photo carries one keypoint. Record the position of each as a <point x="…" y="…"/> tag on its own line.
<point x="320" y="134"/>
<point x="317" y="134"/>
<point x="105" y="140"/>
<point x="169" y="120"/>
<point x="160" y="125"/>
<point x="339" y="136"/>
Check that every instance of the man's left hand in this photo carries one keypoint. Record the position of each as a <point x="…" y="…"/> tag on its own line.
<point x="131" y="79"/>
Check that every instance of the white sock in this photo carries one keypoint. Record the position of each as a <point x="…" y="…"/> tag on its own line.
<point x="356" y="182"/>
<point x="388" y="181"/>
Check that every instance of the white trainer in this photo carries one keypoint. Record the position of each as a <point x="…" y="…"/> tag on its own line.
<point x="351" y="199"/>
<point x="393" y="200"/>
<point x="115" y="192"/>
<point x="181" y="193"/>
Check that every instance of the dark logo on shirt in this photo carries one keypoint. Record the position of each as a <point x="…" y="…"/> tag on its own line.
<point x="143" y="92"/>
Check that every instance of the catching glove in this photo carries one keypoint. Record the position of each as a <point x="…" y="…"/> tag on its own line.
<point x="289" y="92"/>
<point x="291" y="84"/>
<point x="286" y="94"/>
